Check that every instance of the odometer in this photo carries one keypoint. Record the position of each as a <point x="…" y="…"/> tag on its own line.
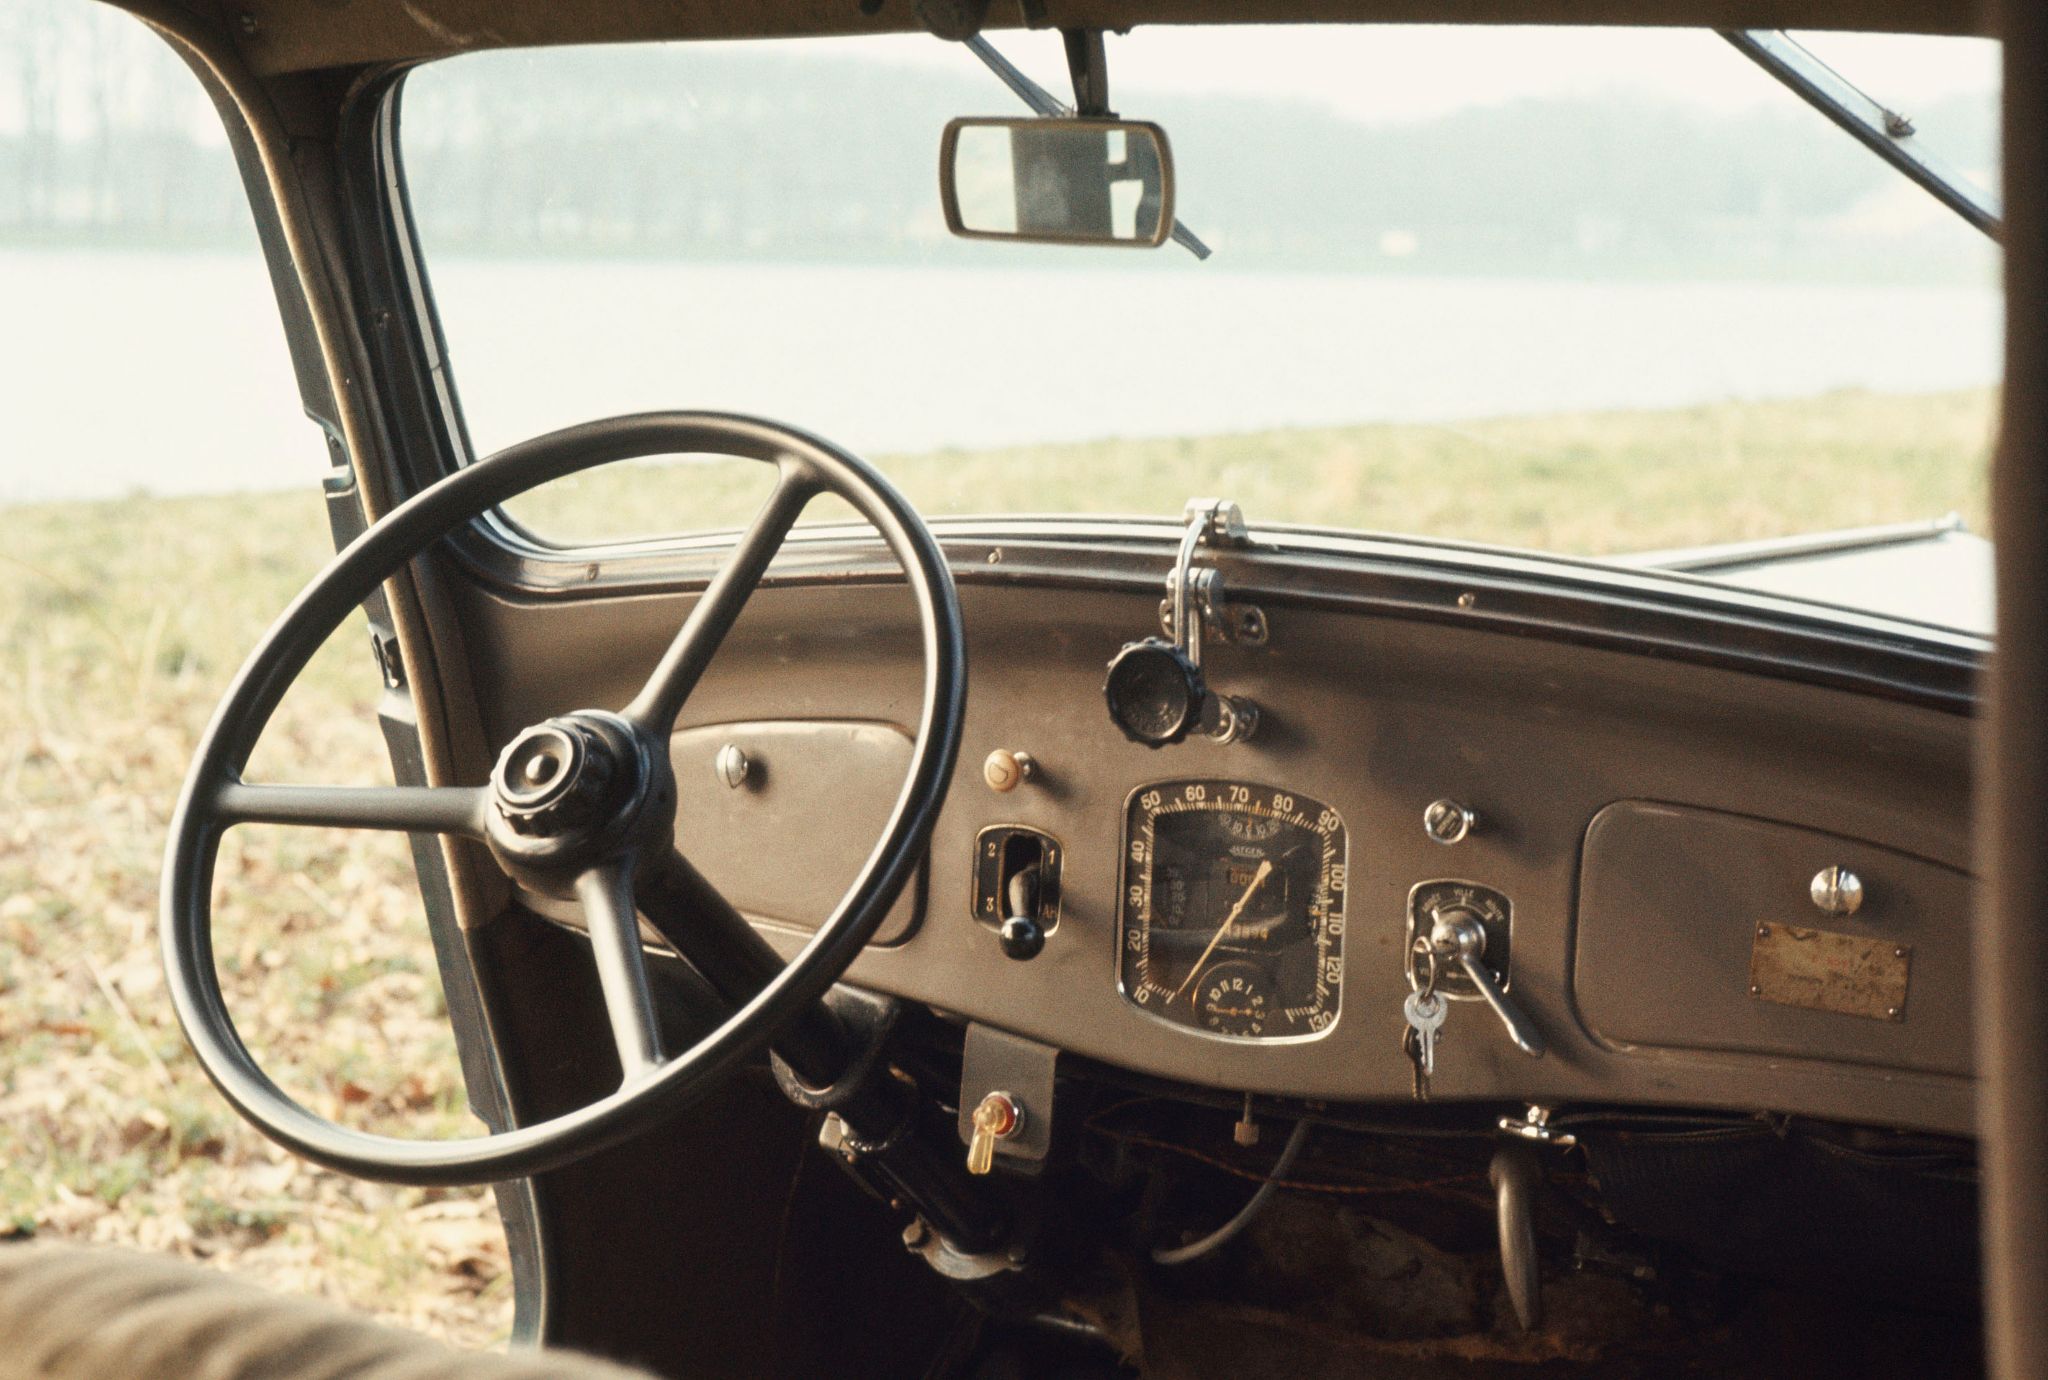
<point x="1232" y="909"/>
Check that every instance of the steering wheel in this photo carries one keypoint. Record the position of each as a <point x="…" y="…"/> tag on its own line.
<point x="582" y="805"/>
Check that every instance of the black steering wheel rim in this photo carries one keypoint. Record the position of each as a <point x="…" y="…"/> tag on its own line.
<point x="808" y="465"/>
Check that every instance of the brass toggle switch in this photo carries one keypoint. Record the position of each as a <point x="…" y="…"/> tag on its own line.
<point x="997" y="1117"/>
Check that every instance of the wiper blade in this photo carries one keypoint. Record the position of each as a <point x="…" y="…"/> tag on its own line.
<point x="1885" y="132"/>
<point x="1043" y="102"/>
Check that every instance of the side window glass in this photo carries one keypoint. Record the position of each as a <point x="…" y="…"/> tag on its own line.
<point x="159" y="504"/>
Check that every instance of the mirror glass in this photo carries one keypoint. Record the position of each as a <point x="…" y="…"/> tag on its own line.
<point x="1062" y="180"/>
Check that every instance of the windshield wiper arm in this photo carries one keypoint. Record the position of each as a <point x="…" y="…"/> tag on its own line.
<point x="1883" y="131"/>
<point x="1043" y="102"/>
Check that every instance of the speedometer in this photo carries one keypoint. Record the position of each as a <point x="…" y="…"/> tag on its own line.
<point x="1232" y="909"/>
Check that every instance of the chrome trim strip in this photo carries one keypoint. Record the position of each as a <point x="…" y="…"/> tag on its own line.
<point x="834" y="546"/>
<point x="1736" y="554"/>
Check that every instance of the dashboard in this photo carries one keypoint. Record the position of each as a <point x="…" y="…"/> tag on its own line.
<point x="1652" y="858"/>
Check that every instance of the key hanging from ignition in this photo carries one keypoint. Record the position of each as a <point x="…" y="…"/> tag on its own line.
<point x="1422" y="975"/>
<point x="1426" y="1012"/>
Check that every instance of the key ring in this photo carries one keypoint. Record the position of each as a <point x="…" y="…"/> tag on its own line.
<point x="1423" y="987"/>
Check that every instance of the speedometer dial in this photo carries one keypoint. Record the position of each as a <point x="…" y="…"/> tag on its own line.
<point x="1232" y="917"/>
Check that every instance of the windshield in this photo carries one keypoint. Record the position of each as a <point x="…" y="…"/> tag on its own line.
<point x="1589" y="292"/>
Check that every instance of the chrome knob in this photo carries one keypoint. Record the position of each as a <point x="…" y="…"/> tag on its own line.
<point x="1448" y="822"/>
<point x="1837" y="891"/>
<point x="733" y="766"/>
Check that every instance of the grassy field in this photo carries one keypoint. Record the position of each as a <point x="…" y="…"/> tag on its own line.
<point x="120" y="623"/>
<point x="1587" y="484"/>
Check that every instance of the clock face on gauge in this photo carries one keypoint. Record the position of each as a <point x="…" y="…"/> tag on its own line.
<point x="1232" y="909"/>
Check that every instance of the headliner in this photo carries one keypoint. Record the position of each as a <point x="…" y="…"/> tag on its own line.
<point x="299" y="35"/>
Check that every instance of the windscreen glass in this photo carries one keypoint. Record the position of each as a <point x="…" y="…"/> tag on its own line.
<point x="1595" y="292"/>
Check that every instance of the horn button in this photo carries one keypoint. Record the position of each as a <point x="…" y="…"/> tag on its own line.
<point x="566" y="788"/>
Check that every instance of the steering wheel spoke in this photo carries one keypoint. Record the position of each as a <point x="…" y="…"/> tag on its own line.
<point x="459" y="810"/>
<point x="703" y="927"/>
<point x="693" y="917"/>
<point x="606" y="892"/>
<point x="655" y="708"/>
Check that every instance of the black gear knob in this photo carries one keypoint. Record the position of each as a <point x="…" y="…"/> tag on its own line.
<point x="1021" y="937"/>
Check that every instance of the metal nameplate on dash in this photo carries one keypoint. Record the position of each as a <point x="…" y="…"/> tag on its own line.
<point x="1825" y="971"/>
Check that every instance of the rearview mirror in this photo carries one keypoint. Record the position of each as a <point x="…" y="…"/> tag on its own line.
<point x="1057" y="180"/>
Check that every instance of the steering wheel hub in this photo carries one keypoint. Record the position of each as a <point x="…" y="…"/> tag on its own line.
<point x="555" y="778"/>
<point x="571" y="791"/>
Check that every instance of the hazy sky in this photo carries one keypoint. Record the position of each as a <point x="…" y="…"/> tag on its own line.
<point x="1378" y="72"/>
<point x="1405" y="72"/>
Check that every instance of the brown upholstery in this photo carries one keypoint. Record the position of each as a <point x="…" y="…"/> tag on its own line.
<point x="73" y="1313"/>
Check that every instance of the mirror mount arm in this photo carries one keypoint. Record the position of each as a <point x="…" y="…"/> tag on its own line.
<point x="1088" y="64"/>
<point x="1041" y="101"/>
<point x="955" y="21"/>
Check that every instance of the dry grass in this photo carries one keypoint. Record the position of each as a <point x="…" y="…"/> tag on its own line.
<point x="120" y="623"/>
<point x="1587" y="483"/>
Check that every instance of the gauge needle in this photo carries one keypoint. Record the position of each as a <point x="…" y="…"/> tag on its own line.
<point x="1258" y="879"/>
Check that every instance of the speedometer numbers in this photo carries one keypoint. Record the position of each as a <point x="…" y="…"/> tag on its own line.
<point x="1232" y="909"/>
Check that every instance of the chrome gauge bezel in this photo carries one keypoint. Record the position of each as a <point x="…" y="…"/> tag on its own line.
<point x="1333" y="888"/>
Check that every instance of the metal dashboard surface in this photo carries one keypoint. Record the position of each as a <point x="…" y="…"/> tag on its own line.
<point x="1686" y="916"/>
<point x="827" y="782"/>
<point x="1377" y="716"/>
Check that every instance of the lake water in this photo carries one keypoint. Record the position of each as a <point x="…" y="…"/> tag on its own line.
<point x="166" y="372"/>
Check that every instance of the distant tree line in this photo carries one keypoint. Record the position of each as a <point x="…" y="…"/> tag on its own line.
<point x="105" y="135"/>
<point x="765" y="154"/>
